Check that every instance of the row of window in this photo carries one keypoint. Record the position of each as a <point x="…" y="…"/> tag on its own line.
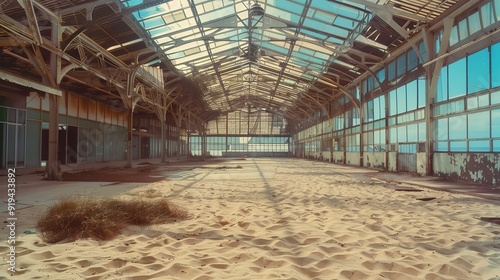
<point x="12" y="115"/>
<point x="471" y="74"/>
<point x="408" y="97"/>
<point x="215" y="144"/>
<point x="479" y="125"/>
<point x="485" y="16"/>
<point x="240" y="140"/>
<point x="259" y="122"/>
<point x="403" y="64"/>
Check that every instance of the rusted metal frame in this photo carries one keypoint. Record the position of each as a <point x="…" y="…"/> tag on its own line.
<point x="22" y="33"/>
<point x="357" y="104"/>
<point x="386" y="12"/>
<point x="51" y="77"/>
<point x="158" y="104"/>
<point x="130" y="99"/>
<point x="37" y="60"/>
<point x="81" y="53"/>
<point x="337" y="51"/>
<point x="178" y="123"/>
<point x="17" y="30"/>
<point x="433" y="73"/>
<point x="117" y="72"/>
<point x="27" y="5"/>
<point x="207" y="45"/>
<point x="295" y="25"/>
<point x="456" y="10"/>
<point x="16" y="79"/>
<point x="25" y="34"/>
<point x="96" y="49"/>
<point x="299" y="26"/>
<point x="88" y="7"/>
<point x="123" y="12"/>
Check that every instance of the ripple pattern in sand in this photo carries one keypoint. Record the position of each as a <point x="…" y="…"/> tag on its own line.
<point x="296" y="220"/>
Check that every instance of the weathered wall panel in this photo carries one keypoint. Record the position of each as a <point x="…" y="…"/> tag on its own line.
<point x="374" y="159"/>
<point x="421" y="163"/>
<point x="481" y="168"/>
<point x="72" y="104"/>
<point x="338" y="157"/>
<point x="61" y="103"/>
<point x="393" y="162"/>
<point x="33" y="101"/>
<point x="327" y="156"/>
<point x="352" y="158"/>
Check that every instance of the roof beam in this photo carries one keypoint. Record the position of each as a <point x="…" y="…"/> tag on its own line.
<point x="386" y="12"/>
<point x="27" y="83"/>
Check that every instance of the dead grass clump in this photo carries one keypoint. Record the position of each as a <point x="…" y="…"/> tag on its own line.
<point x="102" y="219"/>
<point x="151" y="193"/>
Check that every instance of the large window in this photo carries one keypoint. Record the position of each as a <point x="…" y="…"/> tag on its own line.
<point x="457" y="78"/>
<point x="401" y="65"/>
<point x="495" y="65"/>
<point x="480" y="19"/>
<point x="12" y="137"/>
<point x="478" y="71"/>
<point x="442" y="86"/>
<point x="410" y="133"/>
<point x="408" y="97"/>
<point x="478" y="125"/>
<point x="391" y="71"/>
<point x="412" y="59"/>
<point x="475" y="73"/>
<point x="470" y="132"/>
<point x="374" y="109"/>
<point x="217" y="145"/>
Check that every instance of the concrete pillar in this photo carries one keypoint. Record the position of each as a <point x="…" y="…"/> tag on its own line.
<point x="53" y="168"/>
<point x="163" y="140"/>
<point x="130" y="128"/>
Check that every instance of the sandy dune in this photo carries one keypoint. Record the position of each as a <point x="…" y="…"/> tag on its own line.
<point x="285" y="219"/>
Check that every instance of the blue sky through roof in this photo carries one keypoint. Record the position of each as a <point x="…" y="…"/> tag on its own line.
<point x="216" y="33"/>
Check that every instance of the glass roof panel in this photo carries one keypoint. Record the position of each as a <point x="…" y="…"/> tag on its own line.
<point x="288" y="42"/>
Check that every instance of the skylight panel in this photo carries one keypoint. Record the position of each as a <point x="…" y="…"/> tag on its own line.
<point x="153" y="23"/>
<point x="278" y="47"/>
<point x="215" y="14"/>
<point x="193" y="57"/>
<point x="282" y="13"/>
<point x="315" y="35"/>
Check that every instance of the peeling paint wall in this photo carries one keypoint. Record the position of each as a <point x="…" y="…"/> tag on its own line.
<point x="393" y="162"/>
<point x="352" y="158"/>
<point x="374" y="160"/>
<point x="327" y="156"/>
<point x="421" y="163"/>
<point x="481" y="168"/>
<point x="338" y="157"/>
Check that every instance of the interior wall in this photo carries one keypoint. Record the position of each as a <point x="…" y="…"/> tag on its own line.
<point x="473" y="167"/>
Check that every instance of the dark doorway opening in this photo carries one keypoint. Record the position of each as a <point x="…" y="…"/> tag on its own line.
<point x="145" y="147"/>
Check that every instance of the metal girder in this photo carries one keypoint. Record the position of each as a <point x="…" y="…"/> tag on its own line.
<point x="32" y="20"/>
<point x="27" y="83"/>
<point x="386" y="12"/>
<point x="292" y="45"/>
<point x="88" y="7"/>
<point x="389" y="8"/>
<point x="125" y="11"/>
<point x="200" y="27"/>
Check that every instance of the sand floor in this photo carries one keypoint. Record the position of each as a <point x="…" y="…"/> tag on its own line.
<point x="278" y="219"/>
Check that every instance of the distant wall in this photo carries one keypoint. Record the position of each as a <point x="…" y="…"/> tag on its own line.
<point x="255" y="154"/>
<point x="374" y="159"/>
